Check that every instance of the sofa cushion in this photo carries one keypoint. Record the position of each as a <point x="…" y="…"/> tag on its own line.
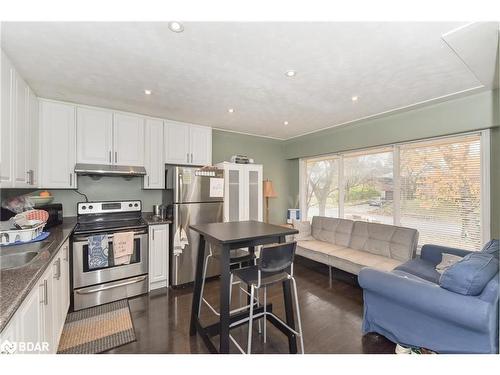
<point x="492" y="247"/>
<point x="304" y="228"/>
<point x="470" y="275"/>
<point x="386" y="240"/>
<point x="333" y="230"/>
<point x="314" y="249"/>
<point x="420" y="268"/>
<point x="352" y="260"/>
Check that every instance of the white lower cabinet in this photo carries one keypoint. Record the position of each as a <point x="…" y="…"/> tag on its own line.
<point x="37" y="325"/>
<point x="158" y="256"/>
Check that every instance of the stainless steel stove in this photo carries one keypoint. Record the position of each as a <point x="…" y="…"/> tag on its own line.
<point x="106" y="282"/>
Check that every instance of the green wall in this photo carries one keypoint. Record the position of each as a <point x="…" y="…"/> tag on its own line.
<point x="474" y="112"/>
<point x="265" y="151"/>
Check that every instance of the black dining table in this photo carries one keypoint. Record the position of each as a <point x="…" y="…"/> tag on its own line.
<point x="228" y="236"/>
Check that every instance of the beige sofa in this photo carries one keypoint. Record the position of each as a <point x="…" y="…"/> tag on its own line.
<point x="352" y="245"/>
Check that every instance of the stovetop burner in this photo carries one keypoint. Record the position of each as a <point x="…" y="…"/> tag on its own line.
<point x="97" y="217"/>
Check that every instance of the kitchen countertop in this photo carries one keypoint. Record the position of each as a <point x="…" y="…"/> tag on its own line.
<point x="16" y="283"/>
<point x="150" y="219"/>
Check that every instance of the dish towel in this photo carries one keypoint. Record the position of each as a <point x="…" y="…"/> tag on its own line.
<point x="180" y="241"/>
<point x="98" y="251"/>
<point x="123" y="247"/>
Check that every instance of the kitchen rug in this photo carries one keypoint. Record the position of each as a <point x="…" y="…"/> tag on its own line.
<point x="97" y="329"/>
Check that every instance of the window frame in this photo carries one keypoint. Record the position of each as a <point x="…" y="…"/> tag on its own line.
<point x="485" y="196"/>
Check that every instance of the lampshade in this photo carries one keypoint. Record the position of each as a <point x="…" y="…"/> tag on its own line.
<point x="269" y="189"/>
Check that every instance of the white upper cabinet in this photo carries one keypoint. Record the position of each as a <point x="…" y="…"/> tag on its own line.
<point x="6" y="157"/>
<point x="94" y="134"/>
<point x="200" y="138"/>
<point x="34" y="138"/>
<point x="21" y="133"/>
<point x="187" y="144"/>
<point x="176" y="143"/>
<point x="19" y="130"/>
<point x="58" y="145"/>
<point x="153" y="155"/>
<point x="128" y="139"/>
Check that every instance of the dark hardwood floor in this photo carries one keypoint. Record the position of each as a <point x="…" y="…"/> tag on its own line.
<point x="331" y="318"/>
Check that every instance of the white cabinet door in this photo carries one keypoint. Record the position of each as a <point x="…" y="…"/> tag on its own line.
<point x="200" y="138"/>
<point x="7" y="127"/>
<point x="21" y="132"/>
<point x="128" y="140"/>
<point x="177" y="143"/>
<point x="94" y="135"/>
<point x="65" y="280"/>
<point x="153" y="156"/>
<point x="158" y="256"/>
<point x="10" y="334"/>
<point x="57" y="299"/>
<point x="29" y="318"/>
<point x="34" y="134"/>
<point x="253" y="194"/>
<point x="234" y="201"/>
<point x="47" y="311"/>
<point x="58" y="145"/>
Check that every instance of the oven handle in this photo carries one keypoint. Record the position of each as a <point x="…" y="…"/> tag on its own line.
<point x="137" y="279"/>
<point x="110" y="237"/>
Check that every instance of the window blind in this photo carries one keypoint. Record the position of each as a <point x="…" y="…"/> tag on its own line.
<point x="440" y="189"/>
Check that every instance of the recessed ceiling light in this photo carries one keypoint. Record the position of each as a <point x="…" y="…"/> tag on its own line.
<point x="230" y="110"/>
<point x="354" y="98"/>
<point x="290" y="73"/>
<point x="285" y="122"/>
<point x="176" y="27"/>
<point x="147" y="92"/>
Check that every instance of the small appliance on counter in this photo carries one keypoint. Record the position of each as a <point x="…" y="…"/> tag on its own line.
<point x="55" y="211"/>
<point x="241" y="159"/>
<point x="293" y="214"/>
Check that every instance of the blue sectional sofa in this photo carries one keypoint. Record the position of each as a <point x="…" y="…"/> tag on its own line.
<point x="410" y="307"/>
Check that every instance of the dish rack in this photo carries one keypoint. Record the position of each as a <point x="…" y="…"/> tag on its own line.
<point x="11" y="236"/>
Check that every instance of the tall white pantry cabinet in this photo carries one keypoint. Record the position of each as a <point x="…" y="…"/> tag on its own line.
<point x="242" y="191"/>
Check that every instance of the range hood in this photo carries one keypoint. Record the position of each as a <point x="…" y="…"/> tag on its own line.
<point x="109" y="170"/>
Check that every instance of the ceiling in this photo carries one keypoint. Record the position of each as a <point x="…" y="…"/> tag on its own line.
<point x="197" y="75"/>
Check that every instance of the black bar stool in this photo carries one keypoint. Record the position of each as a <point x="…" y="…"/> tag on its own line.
<point x="274" y="265"/>
<point x="237" y="257"/>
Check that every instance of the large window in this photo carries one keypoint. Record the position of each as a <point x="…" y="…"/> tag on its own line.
<point x="437" y="186"/>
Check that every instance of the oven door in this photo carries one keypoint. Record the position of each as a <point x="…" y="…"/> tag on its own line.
<point x="84" y="275"/>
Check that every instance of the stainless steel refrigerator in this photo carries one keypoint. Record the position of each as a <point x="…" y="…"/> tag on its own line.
<point x="197" y="196"/>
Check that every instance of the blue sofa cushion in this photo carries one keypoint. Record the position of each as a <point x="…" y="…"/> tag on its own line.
<point x="493" y="248"/>
<point x="470" y="275"/>
<point x="422" y="268"/>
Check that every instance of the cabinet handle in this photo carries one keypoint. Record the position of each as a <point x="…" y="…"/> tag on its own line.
<point x="32" y="177"/>
<point x="187" y="157"/>
<point x="110" y="157"/>
<point x="66" y="253"/>
<point x="191" y="157"/>
<point x="57" y="263"/>
<point x="28" y="179"/>
<point x="42" y="300"/>
<point x="116" y="156"/>
<point x="71" y="179"/>
<point x="45" y="293"/>
<point x="148" y="181"/>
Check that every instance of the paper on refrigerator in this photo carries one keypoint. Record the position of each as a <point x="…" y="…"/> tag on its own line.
<point x="216" y="187"/>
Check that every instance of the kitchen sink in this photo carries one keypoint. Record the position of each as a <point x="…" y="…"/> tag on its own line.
<point x="16" y="260"/>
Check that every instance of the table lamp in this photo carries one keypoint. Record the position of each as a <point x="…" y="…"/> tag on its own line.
<point x="268" y="193"/>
